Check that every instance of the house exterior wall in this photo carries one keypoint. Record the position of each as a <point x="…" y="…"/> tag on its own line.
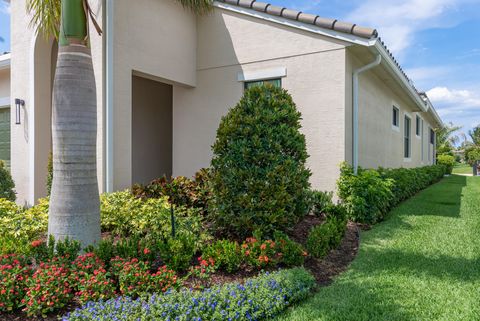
<point x="5" y="83"/>
<point x="380" y="143"/>
<point x="229" y="44"/>
<point x="154" y="39"/>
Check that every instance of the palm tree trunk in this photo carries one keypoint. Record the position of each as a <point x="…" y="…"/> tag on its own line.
<point x="74" y="201"/>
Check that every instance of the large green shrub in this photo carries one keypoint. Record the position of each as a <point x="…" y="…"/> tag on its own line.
<point x="7" y="185"/>
<point x="472" y="155"/>
<point x="448" y="161"/>
<point x="366" y="196"/>
<point x="259" y="176"/>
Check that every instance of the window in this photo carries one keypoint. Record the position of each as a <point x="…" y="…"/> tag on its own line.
<point x="417" y="126"/>
<point x="395" y="114"/>
<point x="432" y="137"/>
<point x="274" y="82"/>
<point x="423" y="143"/>
<point x="407" y="152"/>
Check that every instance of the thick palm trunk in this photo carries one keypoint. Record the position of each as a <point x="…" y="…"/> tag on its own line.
<point x="74" y="200"/>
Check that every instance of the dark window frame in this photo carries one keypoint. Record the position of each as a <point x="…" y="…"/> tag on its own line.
<point x="395" y="116"/>
<point x="407" y="137"/>
<point x="417" y="125"/>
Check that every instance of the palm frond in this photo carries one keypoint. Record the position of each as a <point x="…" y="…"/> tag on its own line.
<point x="45" y="16"/>
<point x="198" y="7"/>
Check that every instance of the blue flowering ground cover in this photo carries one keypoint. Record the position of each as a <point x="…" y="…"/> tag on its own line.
<point x="259" y="298"/>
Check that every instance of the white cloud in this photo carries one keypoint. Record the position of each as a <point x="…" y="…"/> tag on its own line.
<point x="460" y="106"/>
<point x="5" y="8"/>
<point x="458" y="99"/>
<point x="399" y="20"/>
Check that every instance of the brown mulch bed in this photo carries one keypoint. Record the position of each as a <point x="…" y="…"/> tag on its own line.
<point x="324" y="270"/>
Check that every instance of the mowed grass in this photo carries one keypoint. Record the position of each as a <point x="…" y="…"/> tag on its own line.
<point x="462" y="169"/>
<point x="422" y="263"/>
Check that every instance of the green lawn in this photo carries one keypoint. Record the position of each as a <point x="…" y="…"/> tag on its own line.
<point x="422" y="263"/>
<point x="462" y="169"/>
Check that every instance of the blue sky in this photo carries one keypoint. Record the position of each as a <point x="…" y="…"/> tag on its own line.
<point x="436" y="41"/>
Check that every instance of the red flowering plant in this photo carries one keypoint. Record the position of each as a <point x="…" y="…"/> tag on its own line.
<point x="49" y="288"/>
<point x="259" y="254"/>
<point x="204" y="268"/>
<point x="90" y="279"/>
<point x="135" y="278"/>
<point x="13" y="274"/>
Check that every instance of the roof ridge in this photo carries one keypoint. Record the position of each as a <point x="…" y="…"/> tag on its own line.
<point x="316" y="20"/>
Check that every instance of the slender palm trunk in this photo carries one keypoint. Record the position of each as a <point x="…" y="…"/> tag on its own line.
<point x="74" y="201"/>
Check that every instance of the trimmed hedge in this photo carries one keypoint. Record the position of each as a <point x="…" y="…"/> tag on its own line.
<point x="260" y="298"/>
<point x="372" y="193"/>
<point x="448" y="161"/>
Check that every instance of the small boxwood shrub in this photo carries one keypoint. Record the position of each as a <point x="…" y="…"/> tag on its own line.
<point x="328" y="235"/>
<point x="369" y="195"/>
<point x="260" y="298"/>
<point x="320" y="201"/>
<point x="259" y="178"/>
<point x="448" y="161"/>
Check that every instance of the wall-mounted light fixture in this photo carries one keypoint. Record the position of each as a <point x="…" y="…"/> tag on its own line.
<point x="18" y="103"/>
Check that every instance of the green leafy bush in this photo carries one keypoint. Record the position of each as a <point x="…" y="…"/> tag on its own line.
<point x="177" y="253"/>
<point x="448" y="161"/>
<point x="19" y="227"/>
<point x="13" y="275"/>
<point x="260" y="298"/>
<point x="326" y="236"/>
<point x="7" y="185"/>
<point x="320" y="201"/>
<point x="290" y="252"/>
<point x="366" y="196"/>
<point x="227" y="255"/>
<point x="259" y="178"/>
<point x="125" y="215"/>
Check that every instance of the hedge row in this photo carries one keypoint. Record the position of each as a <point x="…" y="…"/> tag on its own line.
<point x="369" y="195"/>
<point x="260" y="298"/>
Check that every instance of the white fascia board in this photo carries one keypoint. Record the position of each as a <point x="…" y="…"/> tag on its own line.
<point x="435" y="115"/>
<point x="5" y="61"/>
<point x="4" y="102"/>
<point x="263" y="74"/>
<point x="296" y="24"/>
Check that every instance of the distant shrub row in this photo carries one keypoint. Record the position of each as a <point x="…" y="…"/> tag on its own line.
<point x="369" y="195"/>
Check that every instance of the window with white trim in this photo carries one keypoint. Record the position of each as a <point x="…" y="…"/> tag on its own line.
<point x="407" y="148"/>
<point x="395" y="117"/>
<point x="274" y="82"/>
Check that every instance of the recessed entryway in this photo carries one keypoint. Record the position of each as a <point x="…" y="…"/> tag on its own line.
<point x="151" y="129"/>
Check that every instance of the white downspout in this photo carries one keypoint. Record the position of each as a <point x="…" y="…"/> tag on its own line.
<point x="356" y="73"/>
<point x="109" y="98"/>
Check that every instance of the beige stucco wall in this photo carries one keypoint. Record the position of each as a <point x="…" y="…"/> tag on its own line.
<point x="31" y="77"/>
<point x="5" y="83"/>
<point x="155" y="38"/>
<point x="381" y="144"/>
<point x="228" y="44"/>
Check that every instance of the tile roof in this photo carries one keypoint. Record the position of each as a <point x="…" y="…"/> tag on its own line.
<point x="326" y="23"/>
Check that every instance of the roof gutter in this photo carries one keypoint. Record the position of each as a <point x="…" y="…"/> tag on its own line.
<point x="356" y="73"/>
<point x="379" y="48"/>
<point x="5" y="61"/>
